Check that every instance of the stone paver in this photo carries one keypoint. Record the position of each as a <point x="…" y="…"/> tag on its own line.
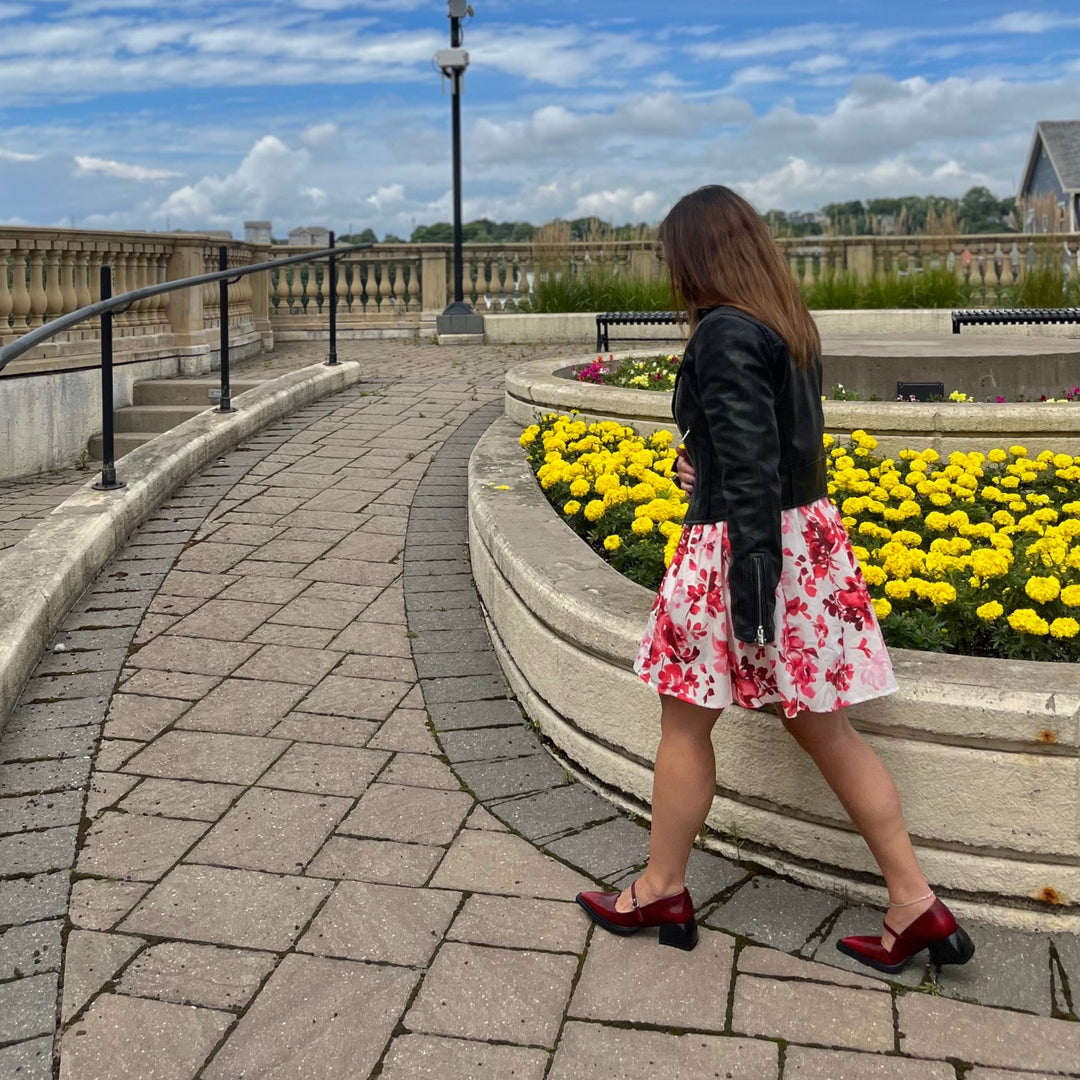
<point x="428" y="1057"/>
<point x="688" y="990"/>
<point x="818" y="1015"/>
<point x="189" y="974"/>
<point x="173" y="1040"/>
<point x="615" y="1053"/>
<point x="312" y="702"/>
<point x="494" y="994"/>
<point x="304" y="1023"/>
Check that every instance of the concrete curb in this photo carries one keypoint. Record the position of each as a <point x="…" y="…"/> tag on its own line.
<point x="985" y="752"/>
<point x="43" y="575"/>
<point x="534" y="388"/>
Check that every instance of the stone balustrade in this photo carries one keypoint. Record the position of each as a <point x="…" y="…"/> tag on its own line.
<point x="50" y="272"/>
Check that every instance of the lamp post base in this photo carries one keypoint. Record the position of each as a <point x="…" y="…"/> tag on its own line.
<point x="459" y="320"/>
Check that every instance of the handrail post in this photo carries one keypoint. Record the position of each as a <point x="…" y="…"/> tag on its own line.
<point x="332" y="359"/>
<point x="108" y="481"/>
<point x="225" y="405"/>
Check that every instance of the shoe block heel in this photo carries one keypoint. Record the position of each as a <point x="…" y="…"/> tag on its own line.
<point x="957" y="948"/>
<point x="679" y="935"/>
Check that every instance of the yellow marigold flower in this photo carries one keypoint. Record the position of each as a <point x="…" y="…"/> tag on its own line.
<point x="827" y="440"/>
<point x="643" y="525"/>
<point x="1003" y="517"/>
<point x="897" y="590"/>
<point x="996" y="456"/>
<point x="1025" y="621"/>
<point x="1009" y="482"/>
<point x="1043" y="589"/>
<point x="938" y="498"/>
<point x="594" y="510"/>
<point x="579" y="487"/>
<point x="990" y="612"/>
<point x="882" y="608"/>
<point x="874" y="575"/>
<point x="1070" y="596"/>
<point x="1018" y="451"/>
<point x="849" y="522"/>
<point x="1064" y="628"/>
<point x="642" y="493"/>
<point x="1062" y="461"/>
<point x="571" y="508"/>
<point x="662" y="439"/>
<point x="991" y="563"/>
<point x="612" y="542"/>
<point x="1018" y="507"/>
<point x="605" y="483"/>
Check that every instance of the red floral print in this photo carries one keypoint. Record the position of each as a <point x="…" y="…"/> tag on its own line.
<point x="817" y="662"/>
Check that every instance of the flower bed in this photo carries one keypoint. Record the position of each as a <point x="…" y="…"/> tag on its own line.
<point x="983" y="750"/>
<point x="635" y="373"/>
<point x="976" y="556"/>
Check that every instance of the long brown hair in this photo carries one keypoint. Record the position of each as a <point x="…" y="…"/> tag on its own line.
<point x="720" y="251"/>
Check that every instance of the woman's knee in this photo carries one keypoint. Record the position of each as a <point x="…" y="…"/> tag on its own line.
<point x="811" y="730"/>
<point x="686" y="718"/>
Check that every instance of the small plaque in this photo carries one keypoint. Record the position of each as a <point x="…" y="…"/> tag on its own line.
<point x="215" y="394"/>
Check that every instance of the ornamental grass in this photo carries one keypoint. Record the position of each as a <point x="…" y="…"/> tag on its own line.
<point x="978" y="554"/>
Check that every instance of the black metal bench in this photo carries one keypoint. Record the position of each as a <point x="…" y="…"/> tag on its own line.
<point x="993" y="317"/>
<point x="633" y="318"/>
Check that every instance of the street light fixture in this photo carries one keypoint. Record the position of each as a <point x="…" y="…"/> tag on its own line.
<point x="459" y="316"/>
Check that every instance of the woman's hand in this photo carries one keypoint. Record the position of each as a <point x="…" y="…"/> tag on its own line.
<point x="684" y="471"/>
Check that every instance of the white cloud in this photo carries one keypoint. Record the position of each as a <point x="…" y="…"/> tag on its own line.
<point x="775" y="43"/>
<point x="622" y="204"/>
<point x="319" y="135"/>
<point x="265" y="183"/>
<point x="818" y="65"/>
<point x="1030" y="22"/>
<point x="119" y="170"/>
<point x="15" y="155"/>
<point x="757" y="75"/>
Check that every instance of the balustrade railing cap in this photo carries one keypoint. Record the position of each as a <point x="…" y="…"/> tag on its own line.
<point x="122" y="301"/>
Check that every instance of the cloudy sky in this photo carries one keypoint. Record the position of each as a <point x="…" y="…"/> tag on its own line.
<point x="190" y="114"/>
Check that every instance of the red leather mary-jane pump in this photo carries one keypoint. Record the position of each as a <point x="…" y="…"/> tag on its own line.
<point x="673" y="914"/>
<point x="935" y="929"/>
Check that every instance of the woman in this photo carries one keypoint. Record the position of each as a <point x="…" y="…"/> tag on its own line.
<point x="764" y="603"/>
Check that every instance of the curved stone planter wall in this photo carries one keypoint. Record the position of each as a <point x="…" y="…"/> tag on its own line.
<point x="986" y="753"/>
<point x="544" y="386"/>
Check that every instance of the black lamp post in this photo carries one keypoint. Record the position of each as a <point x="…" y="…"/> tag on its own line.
<point x="459" y="316"/>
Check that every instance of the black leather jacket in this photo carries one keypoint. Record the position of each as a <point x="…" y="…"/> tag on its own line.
<point x="752" y="424"/>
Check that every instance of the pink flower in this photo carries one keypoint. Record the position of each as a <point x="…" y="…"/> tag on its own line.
<point x="999" y="399"/>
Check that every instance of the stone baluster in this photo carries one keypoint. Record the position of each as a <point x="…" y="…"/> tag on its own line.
<point x="140" y="279"/>
<point x="1006" y="275"/>
<point x="342" y="289"/>
<point x="38" y="300"/>
<point x="279" y="301"/>
<point x="54" y="296"/>
<point x="433" y="271"/>
<point x="161" y="275"/>
<point x="808" y="268"/>
<point x="69" y="300"/>
<point x="121" y="275"/>
<point x="397" y="288"/>
<point x="6" y="333"/>
<point x="793" y="263"/>
<point x="481" y="281"/>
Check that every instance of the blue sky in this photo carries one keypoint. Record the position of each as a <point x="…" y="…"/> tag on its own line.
<point x="198" y="114"/>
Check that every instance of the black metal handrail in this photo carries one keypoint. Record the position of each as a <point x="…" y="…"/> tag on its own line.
<point x="109" y="305"/>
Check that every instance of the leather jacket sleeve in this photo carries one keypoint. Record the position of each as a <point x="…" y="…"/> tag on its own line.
<point x="735" y="374"/>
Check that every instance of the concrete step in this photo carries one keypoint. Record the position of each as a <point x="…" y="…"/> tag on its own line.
<point x="186" y="391"/>
<point x="155" y="418"/>
<point x="123" y="443"/>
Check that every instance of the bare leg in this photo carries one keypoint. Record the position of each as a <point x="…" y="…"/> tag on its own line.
<point x="867" y="792"/>
<point x="684" y="782"/>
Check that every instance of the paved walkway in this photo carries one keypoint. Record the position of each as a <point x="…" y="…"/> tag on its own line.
<point x="316" y="838"/>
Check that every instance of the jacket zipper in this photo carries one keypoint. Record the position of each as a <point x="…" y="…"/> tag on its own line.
<point x="757" y="562"/>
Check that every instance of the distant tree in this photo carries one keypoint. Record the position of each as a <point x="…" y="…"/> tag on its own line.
<point x="980" y="211"/>
<point x="390" y="238"/>
<point x="366" y="237"/>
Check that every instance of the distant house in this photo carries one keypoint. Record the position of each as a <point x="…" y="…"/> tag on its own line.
<point x="1052" y="176"/>
<point x="310" y="236"/>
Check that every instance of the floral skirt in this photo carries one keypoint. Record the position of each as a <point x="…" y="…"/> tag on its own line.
<point x="828" y="650"/>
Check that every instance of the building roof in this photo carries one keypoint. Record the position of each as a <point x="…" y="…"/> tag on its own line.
<point x="1062" y="141"/>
